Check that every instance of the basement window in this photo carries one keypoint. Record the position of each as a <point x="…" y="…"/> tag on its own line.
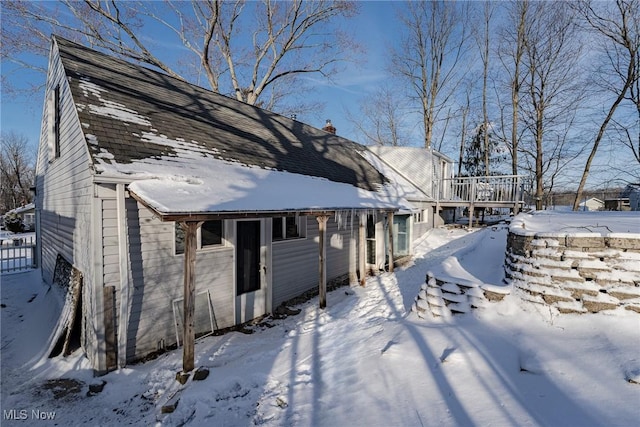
<point x="210" y="235"/>
<point x="289" y="227"/>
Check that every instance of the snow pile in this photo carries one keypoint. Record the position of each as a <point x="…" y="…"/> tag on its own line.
<point x="577" y="224"/>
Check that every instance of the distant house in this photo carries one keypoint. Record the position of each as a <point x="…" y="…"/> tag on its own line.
<point x="632" y="193"/>
<point x="164" y="195"/>
<point x="592" y="204"/>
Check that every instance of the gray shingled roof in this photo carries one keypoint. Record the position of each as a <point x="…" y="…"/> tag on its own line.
<point x="233" y="130"/>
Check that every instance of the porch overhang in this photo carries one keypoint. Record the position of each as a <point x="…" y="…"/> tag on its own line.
<point x="190" y="221"/>
<point x="198" y="216"/>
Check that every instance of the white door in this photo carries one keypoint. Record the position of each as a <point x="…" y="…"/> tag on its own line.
<point x="251" y="292"/>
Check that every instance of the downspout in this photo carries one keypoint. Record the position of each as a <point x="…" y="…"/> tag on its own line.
<point x="123" y="250"/>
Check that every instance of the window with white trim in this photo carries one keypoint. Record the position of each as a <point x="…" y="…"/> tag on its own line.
<point x="421" y="216"/>
<point x="210" y="235"/>
<point x="289" y="227"/>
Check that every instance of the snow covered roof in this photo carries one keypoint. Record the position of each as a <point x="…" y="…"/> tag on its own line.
<point x="22" y="209"/>
<point x="187" y="149"/>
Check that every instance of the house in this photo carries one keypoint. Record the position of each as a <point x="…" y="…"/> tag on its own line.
<point x="423" y="169"/>
<point x="177" y="211"/>
<point x="632" y="193"/>
<point x="592" y="204"/>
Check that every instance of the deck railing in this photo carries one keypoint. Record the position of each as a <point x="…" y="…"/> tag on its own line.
<point x="488" y="189"/>
<point x="17" y="252"/>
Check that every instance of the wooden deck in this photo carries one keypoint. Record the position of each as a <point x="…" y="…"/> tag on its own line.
<point x="504" y="191"/>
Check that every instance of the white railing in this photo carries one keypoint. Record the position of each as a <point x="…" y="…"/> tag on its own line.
<point x="17" y="252"/>
<point x="496" y="189"/>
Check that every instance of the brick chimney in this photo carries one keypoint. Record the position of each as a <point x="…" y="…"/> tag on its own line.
<point x="328" y="127"/>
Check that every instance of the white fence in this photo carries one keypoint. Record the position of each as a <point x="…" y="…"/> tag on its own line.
<point x="17" y="252"/>
<point x="497" y="189"/>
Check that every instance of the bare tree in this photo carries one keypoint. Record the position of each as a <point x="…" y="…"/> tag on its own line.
<point x="429" y="56"/>
<point x="552" y="89"/>
<point x="253" y="51"/>
<point x="618" y="26"/>
<point x="511" y="53"/>
<point x="382" y="117"/>
<point x="17" y="171"/>
<point x="483" y="42"/>
<point x="464" y="111"/>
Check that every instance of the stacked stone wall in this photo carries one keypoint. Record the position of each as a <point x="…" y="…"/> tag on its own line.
<point x="445" y="296"/>
<point x="576" y="273"/>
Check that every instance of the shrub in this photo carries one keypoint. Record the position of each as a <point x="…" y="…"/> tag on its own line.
<point x="13" y="223"/>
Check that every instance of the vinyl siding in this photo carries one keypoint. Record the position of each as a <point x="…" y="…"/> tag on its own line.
<point x="295" y="262"/>
<point x="156" y="279"/>
<point x="64" y="197"/>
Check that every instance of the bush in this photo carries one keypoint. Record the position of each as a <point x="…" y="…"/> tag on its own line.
<point x="13" y="223"/>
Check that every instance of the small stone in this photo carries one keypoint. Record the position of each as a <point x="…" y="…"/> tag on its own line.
<point x="281" y="402"/>
<point x="200" y="374"/>
<point x="96" y="388"/>
<point x="182" y="377"/>
<point x="172" y="403"/>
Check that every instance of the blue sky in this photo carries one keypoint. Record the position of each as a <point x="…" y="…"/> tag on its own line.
<point x="376" y="28"/>
<point x="373" y="28"/>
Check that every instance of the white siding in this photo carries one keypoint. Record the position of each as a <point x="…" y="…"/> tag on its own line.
<point x="156" y="278"/>
<point x="295" y="262"/>
<point x="64" y="194"/>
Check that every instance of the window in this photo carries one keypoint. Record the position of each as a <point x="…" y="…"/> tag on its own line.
<point x="210" y="234"/>
<point x="288" y="227"/>
<point x="421" y="216"/>
<point x="371" y="239"/>
<point x="401" y="235"/>
<point x="54" y="123"/>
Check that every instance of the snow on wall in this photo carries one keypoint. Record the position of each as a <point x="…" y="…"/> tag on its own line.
<point x="575" y="272"/>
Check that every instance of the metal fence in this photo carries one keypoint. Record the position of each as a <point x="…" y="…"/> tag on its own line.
<point x="17" y="252"/>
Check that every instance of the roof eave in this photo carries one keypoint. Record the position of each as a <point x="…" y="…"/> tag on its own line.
<point x="248" y="214"/>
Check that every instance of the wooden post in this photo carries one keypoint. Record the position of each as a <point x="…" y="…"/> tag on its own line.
<point x="123" y="266"/>
<point x="322" y="256"/>
<point x="353" y="259"/>
<point x="516" y="196"/>
<point x="472" y="199"/>
<point x="111" y="347"/>
<point x="390" y="246"/>
<point x="188" y="336"/>
<point x="362" y="248"/>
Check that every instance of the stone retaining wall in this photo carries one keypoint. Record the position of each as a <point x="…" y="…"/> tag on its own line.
<point x="444" y="296"/>
<point x="576" y="272"/>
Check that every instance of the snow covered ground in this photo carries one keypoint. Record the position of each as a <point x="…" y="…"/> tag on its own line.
<point x="364" y="361"/>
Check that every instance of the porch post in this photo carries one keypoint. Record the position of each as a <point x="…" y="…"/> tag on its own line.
<point x="516" y="196"/>
<point x="362" y="248"/>
<point x="390" y="245"/>
<point x="188" y="336"/>
<point x="123" y="266"/>
<point x="322" y="256"/>
<point x="472" y="200"/>
<point x="353" y="258"/>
